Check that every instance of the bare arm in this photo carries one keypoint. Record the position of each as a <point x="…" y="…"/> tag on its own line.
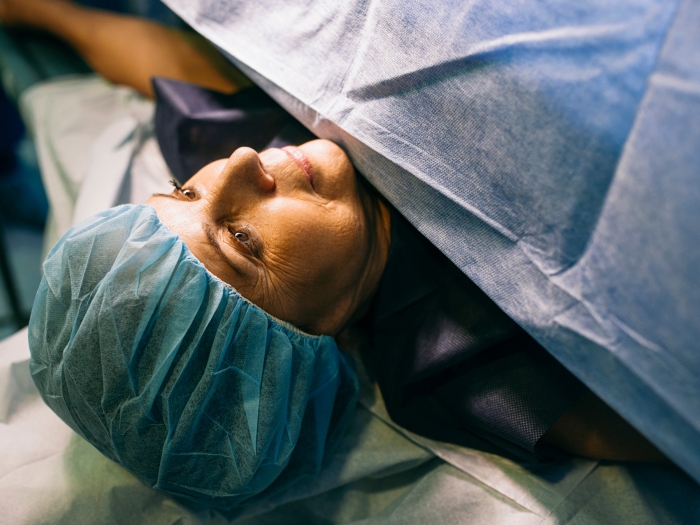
<point x="125" y="49"/>
<point x="592" y="429"/>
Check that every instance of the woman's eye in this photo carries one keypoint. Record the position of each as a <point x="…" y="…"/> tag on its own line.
<point x="182" y="191"/>
<point x="178" y="188"/>
<point x="242" y="237"/>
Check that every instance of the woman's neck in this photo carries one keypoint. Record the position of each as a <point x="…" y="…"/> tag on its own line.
<point x="379" y="223"/>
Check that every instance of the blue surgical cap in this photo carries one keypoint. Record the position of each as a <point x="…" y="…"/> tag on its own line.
<point x="169" y="371"/>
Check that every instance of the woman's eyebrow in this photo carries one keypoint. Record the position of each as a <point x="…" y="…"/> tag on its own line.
<point x="211" y="237"/>
<point x="168" y="195"/>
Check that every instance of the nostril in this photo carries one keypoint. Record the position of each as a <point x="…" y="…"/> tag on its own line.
<point x="244" y="167"/>
<point x="267" y="181"/>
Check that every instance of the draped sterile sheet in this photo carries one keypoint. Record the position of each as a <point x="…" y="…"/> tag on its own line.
<point x="551" y="149"/>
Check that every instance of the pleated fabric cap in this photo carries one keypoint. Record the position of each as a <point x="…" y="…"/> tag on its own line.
<point x="169" y="371"/>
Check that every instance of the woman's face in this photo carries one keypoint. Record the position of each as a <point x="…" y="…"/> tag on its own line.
<point x="287" y="228"/>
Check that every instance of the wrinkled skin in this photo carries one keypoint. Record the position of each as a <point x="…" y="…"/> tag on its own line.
<point x="291" y="230"/>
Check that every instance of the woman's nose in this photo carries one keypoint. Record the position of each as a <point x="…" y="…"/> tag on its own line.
<point x="243" y="176"/>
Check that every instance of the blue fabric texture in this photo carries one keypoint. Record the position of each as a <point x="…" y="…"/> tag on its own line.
<point x="170" y="372"/>
<point x="548" y="148"/>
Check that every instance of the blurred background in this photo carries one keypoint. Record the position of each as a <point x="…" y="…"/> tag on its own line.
<point x="26" y="58"/>
<point x="23" y="210"/>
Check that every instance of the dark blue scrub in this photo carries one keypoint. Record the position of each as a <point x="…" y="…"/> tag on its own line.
<point x="450" y="364"/>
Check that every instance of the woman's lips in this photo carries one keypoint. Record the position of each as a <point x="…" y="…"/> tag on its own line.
<point x="300" y="159"/>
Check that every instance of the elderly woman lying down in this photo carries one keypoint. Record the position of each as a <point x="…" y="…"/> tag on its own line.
<point x="191" y="338"/>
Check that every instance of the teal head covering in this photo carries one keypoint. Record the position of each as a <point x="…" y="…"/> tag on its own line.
<point x="170" y="372"/>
